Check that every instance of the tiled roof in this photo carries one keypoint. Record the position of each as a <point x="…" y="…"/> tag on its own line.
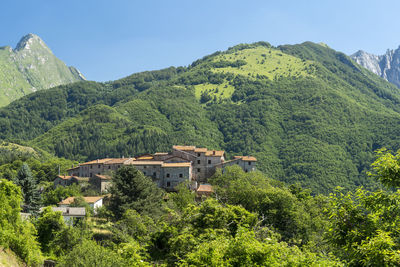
<point x="145" y="158"/>
<point x="205" y="188"/>
<point x="246" y="158"/>
<point x="177" y="164"/>
<point x="184" y="148"/>
<point x="146" y="162"/>
<point x="70" y="200"/>
<point x="97" y="161"/>
<point x="200" y="149"/>
<point x="67" y="201"/>
<point x="64" y="177"/>
<point x="103" y="177"/>
<point x="161" y="154"/>
<point x="118" y="161"/>
<point x="92" y="199"/>
<point x="74" y="168"/>
<point x="215" y="153"/>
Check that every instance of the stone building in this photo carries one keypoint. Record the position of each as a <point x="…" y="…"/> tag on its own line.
<point x="100" y="183"/>
<point x="167" y="169"/>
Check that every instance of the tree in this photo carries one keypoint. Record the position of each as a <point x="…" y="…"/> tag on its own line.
<point x="48" y="225"/>
<point x="30" y="193"/>
<point x="132" y="190"/>
<point x="183" y="197"/>
<point x="16" y="234"/>
<point x="386" y="168"/>
<point x="89" y="253"/>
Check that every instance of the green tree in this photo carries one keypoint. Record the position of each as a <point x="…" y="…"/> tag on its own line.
<point x="49" y="224"/>
<point x="386" y="168"/>
<point x="30" y="192"/>
<point x="89" y="253"/>
<point x="183" y="197"/>
<point x="132" y="190"/>
<point x="16" y="234"/>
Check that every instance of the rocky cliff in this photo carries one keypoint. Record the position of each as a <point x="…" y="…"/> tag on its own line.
<point x="387" y="66"/>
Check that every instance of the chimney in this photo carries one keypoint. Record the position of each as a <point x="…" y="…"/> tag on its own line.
<point x="97" y="161"/>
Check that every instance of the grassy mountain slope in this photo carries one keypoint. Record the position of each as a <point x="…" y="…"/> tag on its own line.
<point x="307" y="112"/>
<point x="31" y="66"/>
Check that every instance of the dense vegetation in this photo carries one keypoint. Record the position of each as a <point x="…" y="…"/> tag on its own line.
<point x="308" y="113"/>
<point x="251" y="220"/>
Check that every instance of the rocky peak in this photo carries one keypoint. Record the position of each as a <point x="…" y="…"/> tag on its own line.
<point x="387" y="66"/>
<point x="28" y="41"/>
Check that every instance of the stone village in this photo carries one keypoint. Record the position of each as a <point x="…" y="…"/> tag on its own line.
<point x="183" y="163"/>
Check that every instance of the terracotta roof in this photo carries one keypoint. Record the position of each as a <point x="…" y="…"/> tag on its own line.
<point x="146" y="162"/>
<point x="205" y="188"/>
<point x="184" y="148"/>
<point x="97" y="161"/>
<point x="74" y="168"/>
<point x="246" y="158"/>
<point x="145" y="158"/>
<point x="93" y="199"/>
<point x="70" y="200"/>
<point x="67" y="201"/>
<point x="177" y="164"/>
<point x="215" y="153"/>
<point x="64" y="177"/>
<point x="103" y="177"/>
<point x="200" y="149"/>
<point x="161" y="153"/>
<point x="119" y="161"/>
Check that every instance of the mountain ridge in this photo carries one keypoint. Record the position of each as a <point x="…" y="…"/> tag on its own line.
<point x="29" y="67"/>
<point x="307" y="112"/>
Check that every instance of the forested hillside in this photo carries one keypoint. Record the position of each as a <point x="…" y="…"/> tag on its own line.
<point x="308" y="113"/>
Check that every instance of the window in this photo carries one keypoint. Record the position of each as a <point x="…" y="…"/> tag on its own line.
<point x="144" y="173"/>
<point x="154" y="174"/>
<point x="144" y="166"/>
<point x="180" y="175"/>
<point x="90" y="175"/>
<point x="167" y="175"/>
<point x="91" y="166"/>
<point x="198" y="154"/>
<point x="249" y="162"/>
<point x="168" y="184"/>
<point x="198" y="162"/>
<point x="198" y="170"/>
<point x="209" y="161"/>
<point x="109" y="167"/>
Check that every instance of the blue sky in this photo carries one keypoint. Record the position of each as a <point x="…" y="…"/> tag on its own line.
<point x="107" y="40"/>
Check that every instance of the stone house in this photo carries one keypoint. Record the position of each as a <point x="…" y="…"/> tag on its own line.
<point x="247" y="163"/>
<point x="100" y="183"/>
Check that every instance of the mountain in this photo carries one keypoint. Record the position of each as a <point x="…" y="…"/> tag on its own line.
<point x="307" y="112"/>
<point x="30" y="67"/>
<point x="387" y="66"/>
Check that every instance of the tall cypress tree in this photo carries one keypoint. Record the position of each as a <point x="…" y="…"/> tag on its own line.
<point x="29" y="189"/>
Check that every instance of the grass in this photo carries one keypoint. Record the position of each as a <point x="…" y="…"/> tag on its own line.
<point x="221" y="91"/>
<point x="9" y="259"/>
<point x="267" y="62"/>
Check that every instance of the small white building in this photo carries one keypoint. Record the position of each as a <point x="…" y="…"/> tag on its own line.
<point x="94" y="202"/>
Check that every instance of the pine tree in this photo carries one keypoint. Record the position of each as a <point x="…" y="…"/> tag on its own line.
<point x="30" y="193"/>
<point x="132" y="190"/>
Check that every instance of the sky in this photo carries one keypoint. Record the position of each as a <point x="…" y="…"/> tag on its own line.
<point x="108" y="40"/>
